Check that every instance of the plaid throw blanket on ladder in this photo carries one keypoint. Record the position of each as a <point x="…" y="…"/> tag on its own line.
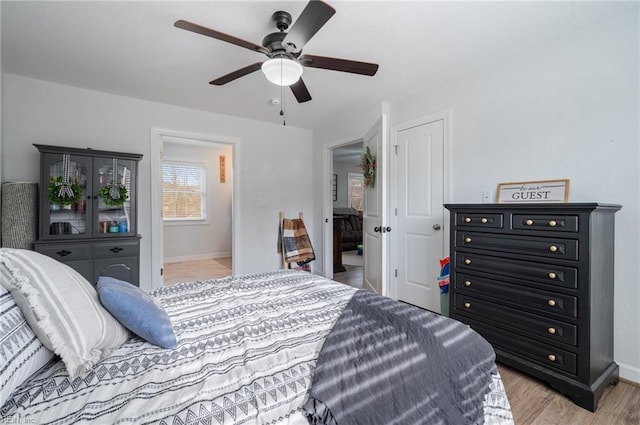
<point x="294" y="242"/>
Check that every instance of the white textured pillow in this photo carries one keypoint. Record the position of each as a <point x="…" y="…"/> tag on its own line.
<point x="21" y="353"/>
<point x="62" y="308"/>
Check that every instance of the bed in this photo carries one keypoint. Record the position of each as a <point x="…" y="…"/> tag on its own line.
<point x="247" y="351"/>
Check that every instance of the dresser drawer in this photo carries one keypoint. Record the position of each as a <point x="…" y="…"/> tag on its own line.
<point x="489" y="220"/>
<point x="517" y="295"/>
<point x="541" y="353"/>
<point x="548" y="274"/>
<point x="550" y="329"/>
<point x="553" y="223"/>
<point x="566" y="249"/>
<point x="65" y="252"/>
<point x="115" y="248"/>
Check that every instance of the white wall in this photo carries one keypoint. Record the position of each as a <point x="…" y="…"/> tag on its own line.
<point x="209" y="238"/>
<point x="568" y="109"/>
<point x="274" y="165"/>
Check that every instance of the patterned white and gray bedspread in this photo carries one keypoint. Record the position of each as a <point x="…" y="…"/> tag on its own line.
<point x="247" y="350"/>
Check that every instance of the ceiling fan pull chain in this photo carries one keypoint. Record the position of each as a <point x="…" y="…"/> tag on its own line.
<point x="284" y="119"/>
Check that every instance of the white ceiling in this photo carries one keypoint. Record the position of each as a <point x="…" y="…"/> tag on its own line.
<point x="133" y="49"/>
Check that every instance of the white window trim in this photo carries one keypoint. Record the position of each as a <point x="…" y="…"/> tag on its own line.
<point x="189" y="221"/>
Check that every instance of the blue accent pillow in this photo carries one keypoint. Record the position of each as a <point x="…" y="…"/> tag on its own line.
<point x="137" y="311"/>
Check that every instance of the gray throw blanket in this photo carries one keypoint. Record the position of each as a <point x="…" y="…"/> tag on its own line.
<point x="386" y="362"/>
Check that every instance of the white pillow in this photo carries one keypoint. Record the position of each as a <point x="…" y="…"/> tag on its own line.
<point x="62" y="308"/>
<point x="21" y="353"/>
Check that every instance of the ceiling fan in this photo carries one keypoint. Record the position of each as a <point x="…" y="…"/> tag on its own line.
<point x="284" y="50"/>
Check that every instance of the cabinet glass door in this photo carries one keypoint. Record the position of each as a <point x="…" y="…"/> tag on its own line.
<point x="68" y="211"/>
<point x="115" y="190"/>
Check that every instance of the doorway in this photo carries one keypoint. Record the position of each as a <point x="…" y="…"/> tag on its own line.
<point x="202" y="237"/>
<point x="348" y="205"/>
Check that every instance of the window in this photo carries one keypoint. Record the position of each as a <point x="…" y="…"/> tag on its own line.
<point x="356" y="191"/>
<point x="183" y="191"/>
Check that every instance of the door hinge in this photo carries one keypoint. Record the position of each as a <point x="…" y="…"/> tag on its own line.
<point x="161" y="271"/>
<point x="396" y="148"/>
<point x="396" y="273"/>
<point x="396" y="211"/>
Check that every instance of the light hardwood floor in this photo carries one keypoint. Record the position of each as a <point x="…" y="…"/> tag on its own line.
<point x="532" y="401"/>
<point x="188" y="271"/>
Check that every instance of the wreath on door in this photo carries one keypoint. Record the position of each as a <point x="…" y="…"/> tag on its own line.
<point x="368" y="165"/>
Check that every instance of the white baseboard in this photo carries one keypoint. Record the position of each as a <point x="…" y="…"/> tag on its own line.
<point x="629" y="373"/>
<point x="196" y="257"/>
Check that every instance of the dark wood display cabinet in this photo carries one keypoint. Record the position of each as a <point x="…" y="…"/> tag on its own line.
<point x="88" y="210"/>
<point x="537" y="281"/>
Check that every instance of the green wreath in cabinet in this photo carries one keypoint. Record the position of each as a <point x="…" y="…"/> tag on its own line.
<point x="57" y="196"/>
<point x="108" y="198"/>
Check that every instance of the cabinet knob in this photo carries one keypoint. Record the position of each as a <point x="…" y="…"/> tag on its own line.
<point x="467" y="260"/>
<point x="551" y="357"/>
<point x="484" y="220"/>
<point x="467" y="305"/>
<point x="552" y="303"/>
<point x="552" y="275"/>
<point x="553" y="248"/>
<point x="467" y="283"/>
<point x="115" y="249"/>
<point x="553" y="223"/>
<point x="467" y="219"/>
<point x="552" y="331"/>
<point x="467" y="240"/>
<point x="63" y="253"/>
<point x="529" y="222"/>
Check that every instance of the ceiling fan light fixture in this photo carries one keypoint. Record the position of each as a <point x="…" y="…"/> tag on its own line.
<point x="282" y="71"/>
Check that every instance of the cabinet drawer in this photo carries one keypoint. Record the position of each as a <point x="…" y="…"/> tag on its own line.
<point x="65" y="252"/>
<point x="550" y="329"/>
<point x="513" y="343"/>
<point x="549" y="274"/>
<point x="491" y="220"/>
<point x="517" y="295"/>
<point x="115" y="248"/>
<point x="566" y="249"/>
<point x="554" y="223"/>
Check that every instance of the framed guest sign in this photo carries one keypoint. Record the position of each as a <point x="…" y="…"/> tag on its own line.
<point x="534" y="191"/>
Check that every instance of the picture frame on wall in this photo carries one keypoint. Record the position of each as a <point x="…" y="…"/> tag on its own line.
<point x="334" y="187"/>
<point x="554" y="191"/>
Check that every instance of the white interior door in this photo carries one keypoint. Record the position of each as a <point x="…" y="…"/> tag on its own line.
<point x="375" y="224"/>
<point x="420" y="213"/>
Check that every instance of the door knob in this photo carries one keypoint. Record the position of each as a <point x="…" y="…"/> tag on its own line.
<point x="436" y="227"/>
<point x="377" y="229"/>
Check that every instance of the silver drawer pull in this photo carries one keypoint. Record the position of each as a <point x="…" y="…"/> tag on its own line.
<point x="529" y="222"/>
<point x="467" y="260"/>
<point x="484" y="220"/>
<point x="552" y="331"/>
<point x="467" y="305"/>
<point x="552" y="303"/>
<point x="552" y="275"/>
<point x="553" y="223"/>
<point x="551" y="357"/>
<point x="553" y="248"/>
<point x="467" y="240"/>
<point x="467" y="283"/>
<point x="467" y="219"/>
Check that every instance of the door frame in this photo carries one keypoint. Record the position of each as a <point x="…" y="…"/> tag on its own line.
<point x="157" y="139"/>
<point x="446" y="117"/>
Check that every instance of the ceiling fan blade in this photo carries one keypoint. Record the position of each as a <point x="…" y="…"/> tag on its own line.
<point x="315" y="14"/>
<point x="335" y="64"/>
<point x="300" y="91"/>
<point x="236" y="74"/>
<point x="199" y="29"/>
